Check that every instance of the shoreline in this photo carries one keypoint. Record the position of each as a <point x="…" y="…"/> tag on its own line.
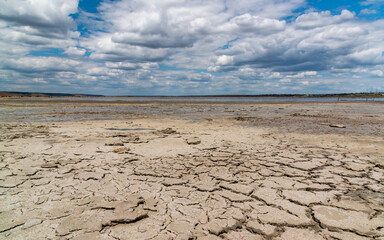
<point x="71" y="101"/>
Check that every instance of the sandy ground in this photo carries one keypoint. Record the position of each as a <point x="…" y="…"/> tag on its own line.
<point x="191" y="171"/>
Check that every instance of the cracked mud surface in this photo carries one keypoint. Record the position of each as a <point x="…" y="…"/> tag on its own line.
<point x="144" y="178"/>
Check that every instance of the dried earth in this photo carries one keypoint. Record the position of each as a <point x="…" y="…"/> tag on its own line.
<point x="162" y="176"/>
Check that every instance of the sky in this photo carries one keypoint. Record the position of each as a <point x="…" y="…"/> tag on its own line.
<point x="192" y="47"/>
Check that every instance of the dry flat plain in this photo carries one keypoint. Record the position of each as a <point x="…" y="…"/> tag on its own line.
<point x="177" y="170"/>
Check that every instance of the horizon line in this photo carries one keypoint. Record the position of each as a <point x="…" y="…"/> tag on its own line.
<point x="52" y="94"/>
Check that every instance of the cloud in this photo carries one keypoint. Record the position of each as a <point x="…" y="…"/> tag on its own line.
<point x="218" y="45"/>
<point x="242" y="44"/>
<point x="320" y="19"/>
<point x="130" y="66"/>
<point x="377" y="73"/>
<point x="367" y="11"/>
<point x="372" y="2"/>
<point x="224" y="60"/>
<point x="36" y="25"/>
<point x="161" y="28"/>
<point x="264" y="8"/>
<point x="148" y="31"/>
<point x="42" y="65"/>
<point x="371" y="56"/>
<point x="44" y="18"/>
<point x="334" y="43"/>
<point x="285" y="80"/>
<point x="303" y="74"/>
<point x="200" y="77"/>
<point x="275" y="75"/>
<point x="105" y="49"/>
<point x="75" y="51"/>
<point x="160" y="24"/>
<point x="251" y="24"/>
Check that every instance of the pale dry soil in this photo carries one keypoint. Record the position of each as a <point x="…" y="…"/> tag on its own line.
<point x="142" y="180"/>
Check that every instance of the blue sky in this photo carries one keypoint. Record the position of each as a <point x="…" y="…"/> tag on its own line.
<point x="168" y="47"/>
<point x="89" y="6"/>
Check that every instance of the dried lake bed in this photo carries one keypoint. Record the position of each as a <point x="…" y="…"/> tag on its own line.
<point x="191" y="170"/>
